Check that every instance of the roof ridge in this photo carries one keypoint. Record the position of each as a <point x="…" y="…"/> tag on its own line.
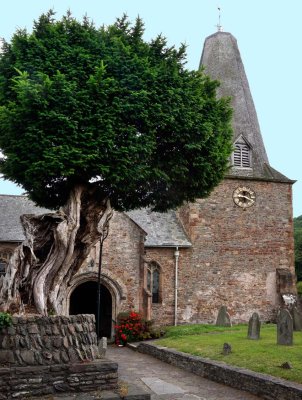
<point x="14" y="195"/>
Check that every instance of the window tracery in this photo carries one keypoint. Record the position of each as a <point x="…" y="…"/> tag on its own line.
<point x="153" y="281"/>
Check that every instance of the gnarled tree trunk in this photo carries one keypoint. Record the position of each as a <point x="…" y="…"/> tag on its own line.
<point x="55" y="247"/>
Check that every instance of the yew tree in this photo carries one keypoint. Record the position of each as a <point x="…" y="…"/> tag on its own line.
<point x="92" y="116"/>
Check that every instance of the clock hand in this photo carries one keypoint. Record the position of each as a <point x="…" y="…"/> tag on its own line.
<point x="244" y="197"/>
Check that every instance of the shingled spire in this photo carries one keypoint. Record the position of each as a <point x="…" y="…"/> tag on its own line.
<point x="222" y="61"/>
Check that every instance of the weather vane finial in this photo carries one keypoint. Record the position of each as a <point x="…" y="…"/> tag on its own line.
<point x="219" y="26"/>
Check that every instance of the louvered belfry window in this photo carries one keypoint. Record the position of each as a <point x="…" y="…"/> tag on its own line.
<point x="241" y="156"/>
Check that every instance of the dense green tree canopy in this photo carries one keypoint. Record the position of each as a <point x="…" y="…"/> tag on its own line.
<point x="103" y="108"/>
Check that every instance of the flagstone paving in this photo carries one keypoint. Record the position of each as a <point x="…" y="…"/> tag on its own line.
<point x="164" y="381"/>
<point x="161" y="380"/>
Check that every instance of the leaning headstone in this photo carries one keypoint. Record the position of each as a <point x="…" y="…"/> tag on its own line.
<point x="286" y="365"/>
<point x="284" y="328"/>
<point x="223" y="318"/>
<point x="254" y="327"/>
<point x="297" y="319"/>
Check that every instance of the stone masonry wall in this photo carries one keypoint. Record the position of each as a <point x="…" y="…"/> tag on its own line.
<point x="39" y="340"/>
<point x="122" y="258"/>
<point x="46" y="355"/>
<point x="163" y="312"/>
<point x="235" y="259"/>
<point x="34" y="381"/>
<point x="264" y="386"/>
<point x="236" y="252"/>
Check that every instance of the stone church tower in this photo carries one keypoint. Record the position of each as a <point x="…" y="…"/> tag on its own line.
<point x="242" y="253"/>
<point x="235" y="248"/>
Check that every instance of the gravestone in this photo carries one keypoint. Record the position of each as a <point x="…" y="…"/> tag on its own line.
<point x="223" y="318"/>
<point x="297" y="319"/>
<point x="227" y="349"/>
<point x="284" y="328"/>
<point x="102" y="346"/>
<point x="286" y="365"/>
<point x="254" y="327"/>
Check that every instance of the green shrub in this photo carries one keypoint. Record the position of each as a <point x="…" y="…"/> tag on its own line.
<point x="5" y="320"/>
<point x="299" y="288"/>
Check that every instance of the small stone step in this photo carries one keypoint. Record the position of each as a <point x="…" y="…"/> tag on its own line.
<point x="109" y="395"/>
<point x="134" y="393"/>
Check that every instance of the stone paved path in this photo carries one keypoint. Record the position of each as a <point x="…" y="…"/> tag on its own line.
<point x="165" y="381"/>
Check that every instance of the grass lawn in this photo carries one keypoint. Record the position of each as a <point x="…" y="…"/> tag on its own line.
<point x="262" y="355"/>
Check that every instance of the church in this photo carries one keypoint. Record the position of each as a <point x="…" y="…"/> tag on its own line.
<point x="234" y="248"/>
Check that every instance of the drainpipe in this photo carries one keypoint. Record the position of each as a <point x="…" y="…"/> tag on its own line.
<point x="176" y="255"/>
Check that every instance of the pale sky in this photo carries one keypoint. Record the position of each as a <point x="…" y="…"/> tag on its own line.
<point x="269" y="39"/>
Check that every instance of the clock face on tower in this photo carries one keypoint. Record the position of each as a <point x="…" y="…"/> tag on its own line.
<point x="244" y="197"/>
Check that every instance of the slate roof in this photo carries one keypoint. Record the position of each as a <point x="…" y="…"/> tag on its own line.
<point x="11" y="208"/>
<point x="222" y="61"/>
<point x="163" y="229"/>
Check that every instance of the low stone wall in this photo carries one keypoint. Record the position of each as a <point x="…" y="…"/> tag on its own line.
<point x="24" y="382"/>
<point x="44" y="355"/>
<point x="42" y="340"/>
<point x="265" y="386"/>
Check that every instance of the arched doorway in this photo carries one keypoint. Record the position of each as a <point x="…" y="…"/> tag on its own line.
<point x="83" y="300"/>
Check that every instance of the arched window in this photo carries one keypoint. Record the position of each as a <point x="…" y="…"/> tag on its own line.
<point x="242" y="155"/>
<point x="3" y="266"/>
<point x="153" y="281"/>
<point x="5" y="255"/>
